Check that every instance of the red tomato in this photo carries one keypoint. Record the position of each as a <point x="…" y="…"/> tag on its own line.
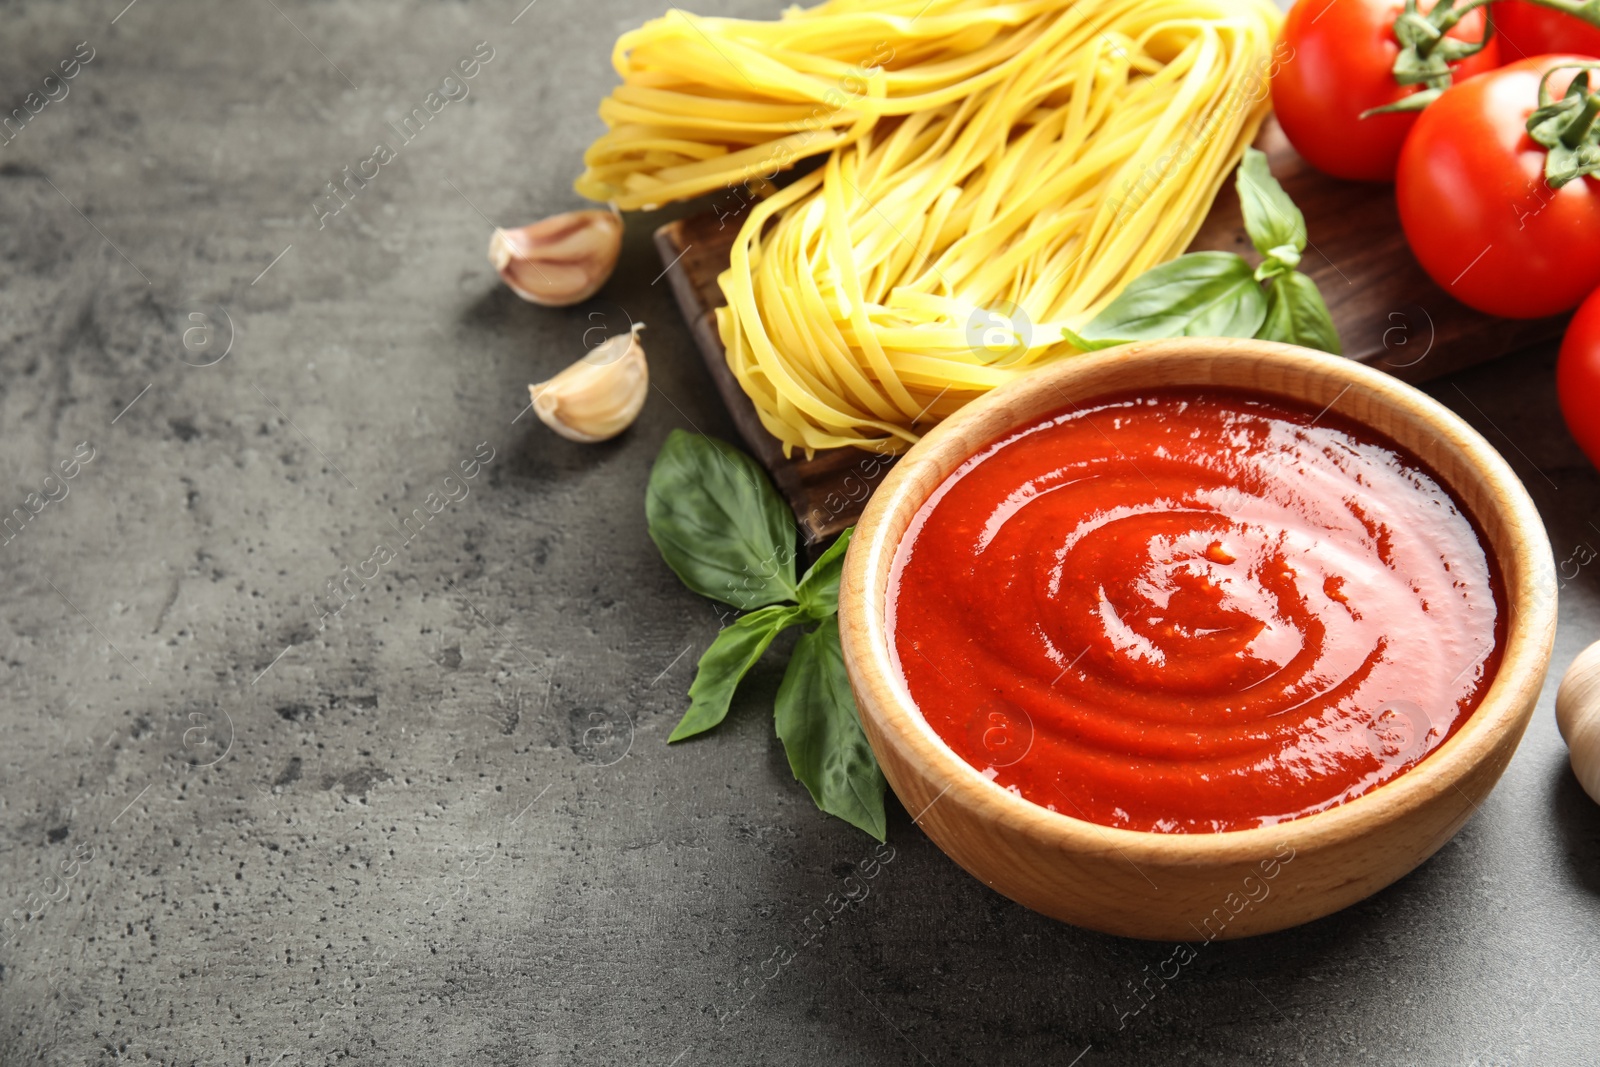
<point x="1578" y="377"/>
<point x="1338" y="61"/>
<point x="1528" y="30"/>
<point x="1475" y="206"/>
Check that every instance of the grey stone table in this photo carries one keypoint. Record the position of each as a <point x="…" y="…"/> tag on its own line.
<point x="443" y="825"/>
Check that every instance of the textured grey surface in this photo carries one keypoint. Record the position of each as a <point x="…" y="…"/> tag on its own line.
<point x="446" y="828"/>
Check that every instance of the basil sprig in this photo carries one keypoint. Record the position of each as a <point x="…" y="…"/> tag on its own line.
<point x="816" y="720"/>
<point x="718" y="523"/>
<point x="1276" y="227"/>
<point x="1218" y="294"/>
<point x="725" y="531"/>
<point x="1203" y="294"/>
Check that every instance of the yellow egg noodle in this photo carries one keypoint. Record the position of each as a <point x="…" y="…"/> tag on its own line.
<point x="993" y="172"/>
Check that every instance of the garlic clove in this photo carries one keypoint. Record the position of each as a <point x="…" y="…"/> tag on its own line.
<point x="561" y="260"/>
<point x="1578" y="717"/>
<point x="600" y="395"/>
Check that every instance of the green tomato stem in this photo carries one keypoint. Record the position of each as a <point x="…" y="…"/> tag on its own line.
<point x="1576" y="133"/>
<point x="1441" y="20"/>
<point x="1420" y="35"/>
<point x="1587" y="10"/>
<point x="1566" y="127"/>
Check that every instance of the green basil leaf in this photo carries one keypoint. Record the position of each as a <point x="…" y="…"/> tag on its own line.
<point x="1270" y="217"/>
<point x="722" y="666"/>
<point x="1082" y="343"/>
<point x="1297" y="315"/>
<point x="1202" y="294"/>
<point x="720" y="525"/>
<point x="817" y="722"/>
<point x="819" y="589"/>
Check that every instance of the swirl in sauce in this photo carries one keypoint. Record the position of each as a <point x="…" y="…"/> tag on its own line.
<point x="1193" y="610"/>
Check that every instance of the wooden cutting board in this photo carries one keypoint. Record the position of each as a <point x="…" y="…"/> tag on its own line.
<point x="1390" y="315"/>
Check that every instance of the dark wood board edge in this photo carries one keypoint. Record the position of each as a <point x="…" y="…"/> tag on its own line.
<point x="821" y="514"/>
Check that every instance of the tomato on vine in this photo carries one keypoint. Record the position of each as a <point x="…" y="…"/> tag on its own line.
<point x="1505" y="214"/>
<point x="1578" y="377"/>
<point x="1341" y="64"/>
<point x="1528" y="30"/>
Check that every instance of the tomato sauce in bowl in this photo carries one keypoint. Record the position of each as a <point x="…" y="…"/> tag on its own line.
<point x="1193" y="610"/>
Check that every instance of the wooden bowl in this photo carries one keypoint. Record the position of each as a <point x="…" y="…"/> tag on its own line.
<point x="1205" y="885"/>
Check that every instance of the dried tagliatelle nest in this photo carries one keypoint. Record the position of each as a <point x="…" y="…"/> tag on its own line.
<point x="992" y="173"/>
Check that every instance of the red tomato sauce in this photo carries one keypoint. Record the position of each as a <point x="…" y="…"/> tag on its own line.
<point x="1194" y="610"/>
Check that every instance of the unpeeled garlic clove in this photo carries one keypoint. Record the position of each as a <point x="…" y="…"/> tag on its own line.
<point x="600" y="395"/>
<point x="1578" y="717"/>
<point x="560" y="260"/>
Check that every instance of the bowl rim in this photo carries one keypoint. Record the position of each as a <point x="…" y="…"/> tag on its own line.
<point x="1529" y="590"/>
